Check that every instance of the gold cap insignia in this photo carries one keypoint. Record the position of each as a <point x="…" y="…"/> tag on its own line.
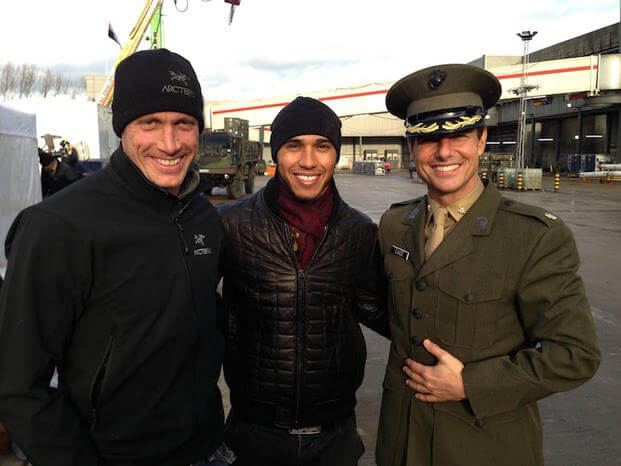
<point x="447" y="125"/>
<point x="436" y="79"/>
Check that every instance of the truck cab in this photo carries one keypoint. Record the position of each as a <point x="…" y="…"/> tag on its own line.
<point x="228" y="159"/>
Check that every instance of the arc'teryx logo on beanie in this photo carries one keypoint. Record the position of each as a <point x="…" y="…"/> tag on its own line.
<point x="178" y="77"/>
<point x="176" y="89"/>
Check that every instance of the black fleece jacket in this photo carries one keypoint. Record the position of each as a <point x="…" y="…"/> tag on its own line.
<point x="112" y="281"/>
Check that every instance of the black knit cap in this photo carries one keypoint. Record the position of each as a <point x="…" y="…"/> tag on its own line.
<point x="45" y="159"/>
<point x="305" y="115"/>
<point x="152" y="81"/>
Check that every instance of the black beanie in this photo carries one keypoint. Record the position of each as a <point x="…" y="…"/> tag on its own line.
<point x="45" y="158"/>
<point x="305" y="116"/>
<point x="155" y="81"/>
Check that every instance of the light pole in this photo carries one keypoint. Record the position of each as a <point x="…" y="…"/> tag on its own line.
<point x="522" y="91"/>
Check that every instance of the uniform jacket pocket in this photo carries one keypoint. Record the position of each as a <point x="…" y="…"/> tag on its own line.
<point x="467" y="310"/>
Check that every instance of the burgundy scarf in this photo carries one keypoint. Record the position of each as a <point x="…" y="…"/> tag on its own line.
<point x="306" y="219"/>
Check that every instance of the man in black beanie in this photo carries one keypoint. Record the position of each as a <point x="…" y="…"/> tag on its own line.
<point x="300" y="274"/>
<point x="112" y="282"/>
<point x="55" y="174"/>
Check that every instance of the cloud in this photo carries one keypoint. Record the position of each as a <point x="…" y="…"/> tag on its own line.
<point x="281" y="47"/>
<point x="79" y="70"/>
<point x="557" y="10"/>
<point x="294" y="66"/>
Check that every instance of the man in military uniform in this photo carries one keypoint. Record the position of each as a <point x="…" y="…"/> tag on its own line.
<point x="487" y="312"/>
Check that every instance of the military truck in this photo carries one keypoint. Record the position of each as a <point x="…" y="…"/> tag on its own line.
<point x="227" y="159"/>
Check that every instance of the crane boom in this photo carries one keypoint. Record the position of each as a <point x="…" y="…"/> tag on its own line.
<point x="149" y="10"/>
<point x="150" y="15"/>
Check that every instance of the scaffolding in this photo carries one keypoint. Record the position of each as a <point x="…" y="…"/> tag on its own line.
<point x="522" y="91"/>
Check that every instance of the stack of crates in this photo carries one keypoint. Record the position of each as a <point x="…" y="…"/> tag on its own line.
<point x="369" y="167"/>
<point x="379" y="168"/>
<point x="531" y="178"/>
<point x="510" y="177"/>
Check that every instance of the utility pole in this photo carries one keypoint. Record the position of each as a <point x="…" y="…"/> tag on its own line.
<point x="522" y="91"/>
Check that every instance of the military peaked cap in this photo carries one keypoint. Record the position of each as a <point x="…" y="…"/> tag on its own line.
<point x="443" y="99"/>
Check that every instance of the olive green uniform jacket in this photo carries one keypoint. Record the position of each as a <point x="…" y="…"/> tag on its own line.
<point x="501" y="294"/>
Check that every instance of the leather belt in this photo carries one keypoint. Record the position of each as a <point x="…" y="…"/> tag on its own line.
<point x="312" y="430"/>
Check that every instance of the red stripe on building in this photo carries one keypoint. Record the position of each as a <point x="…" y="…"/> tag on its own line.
<point x="333" y="97"/>
<point x="384" y="91"/>
<point x="541" y="73"/>
<point x="360" y="94"/>
<point x="243" y="109"/>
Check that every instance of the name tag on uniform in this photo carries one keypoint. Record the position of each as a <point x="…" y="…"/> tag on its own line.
<point x="402" y="253"/>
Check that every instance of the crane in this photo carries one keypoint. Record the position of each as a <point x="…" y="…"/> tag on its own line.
<point x="150" y="15"/>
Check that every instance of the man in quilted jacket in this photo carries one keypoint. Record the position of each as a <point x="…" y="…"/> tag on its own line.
<point x="301" y="271"/>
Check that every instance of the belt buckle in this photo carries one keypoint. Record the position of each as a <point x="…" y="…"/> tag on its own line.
<point x="306" y="430"/>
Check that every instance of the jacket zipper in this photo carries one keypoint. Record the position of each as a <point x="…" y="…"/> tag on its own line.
<point x="301" y="312"/>
<point x="98" y="382"/>
<point x="176" y="218"/>
<point x="184" y="249"/>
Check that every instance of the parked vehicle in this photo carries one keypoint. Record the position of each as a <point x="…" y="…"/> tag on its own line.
<point x="228" y="159"/>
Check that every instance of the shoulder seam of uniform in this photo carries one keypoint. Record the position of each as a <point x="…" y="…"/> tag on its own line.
<point x="408" y="202"/>
<point x="529" y="210"/>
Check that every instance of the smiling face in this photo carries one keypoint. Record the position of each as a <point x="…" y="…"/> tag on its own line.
<point x="306" y="165"/>
<point x="449" y="164"/>
<point x="162" y="145"/>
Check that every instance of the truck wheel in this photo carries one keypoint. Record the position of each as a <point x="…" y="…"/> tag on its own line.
<point x="249" y="183"/>
<point x="235" y="188"/>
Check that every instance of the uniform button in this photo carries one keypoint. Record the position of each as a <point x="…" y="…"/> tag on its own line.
<point x="417" y="313"/>
<point x="421" y="285"/>
<point x="479" y="423"/>
<point x="468" y="297"/>
<point x="416" y="340"/>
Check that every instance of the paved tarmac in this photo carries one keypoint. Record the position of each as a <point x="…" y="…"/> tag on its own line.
<point x="581" y="427"/>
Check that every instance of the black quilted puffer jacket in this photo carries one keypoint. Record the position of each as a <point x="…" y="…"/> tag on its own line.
<point x="295" y="351"/>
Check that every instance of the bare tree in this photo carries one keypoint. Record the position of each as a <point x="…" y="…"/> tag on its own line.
<point x="77" y="86"/>
<point x="27" y="76"/>
<point x="7" y="79"/>
<point x="80" y="84"/>
<point x="46" y="81"/>
<point x="65" y="84"/>
<point x="59" y="81"/>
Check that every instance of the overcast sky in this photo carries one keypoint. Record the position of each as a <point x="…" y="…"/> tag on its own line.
<point x="279" y="47"/>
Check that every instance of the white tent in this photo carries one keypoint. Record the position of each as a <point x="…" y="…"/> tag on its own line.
<point x="20" y="183"/>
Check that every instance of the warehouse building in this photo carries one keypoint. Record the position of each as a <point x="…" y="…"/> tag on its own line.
<point x="574" y="107"/>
